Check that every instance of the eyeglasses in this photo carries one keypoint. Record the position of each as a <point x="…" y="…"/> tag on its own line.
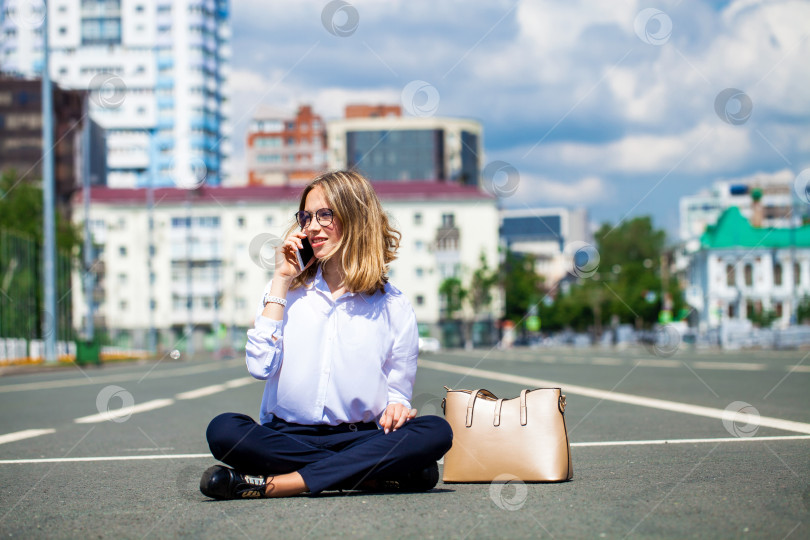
<point x="324" y="217"/>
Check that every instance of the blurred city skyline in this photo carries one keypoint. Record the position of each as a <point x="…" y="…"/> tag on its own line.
<point x="622" y="108"/>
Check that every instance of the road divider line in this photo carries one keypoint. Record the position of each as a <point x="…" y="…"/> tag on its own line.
<point x="67" y="383"/>
<point x="573" y="445"/>
<point x="104" y="458"/>
<point x="124" y="412"/>
<point x="692" y="441"/>
<point x="738" y="366"/>
<point x="24" y="434"/>
<point x="630" y="399"/>
<point x="215" y="388"/>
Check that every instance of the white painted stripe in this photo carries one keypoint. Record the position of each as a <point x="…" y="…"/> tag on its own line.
<point x="200" y="392"/>
<point x="674" y="406"/>
<point x="125" y="411"/>
<point x="214" y="388"/>
<point x="104" y="458"/>
<point x="606" y="361"/>
<point x="25" y="434"/>
<point x="578" y="445"/>
<point x="66" y="383"/>
<point x="649" y="362"/>
<point x="800" y="369"/>
<point x="693" y="441"/>
<point x="739" y="366"/>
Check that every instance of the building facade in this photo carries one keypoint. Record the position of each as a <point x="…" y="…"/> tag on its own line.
<point x="389" y="147"/>
<point x="157" y="74"/>
<point x="741" y="272"/>
<point x="284" y="148"/>
<point x="704" y="208"/>
<point x="78" y="141"/>
<point x="193" y="273"/>
<point x="545" y="233"/>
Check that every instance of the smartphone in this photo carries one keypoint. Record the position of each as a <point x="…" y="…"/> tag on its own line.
<point x="304" y="255"/>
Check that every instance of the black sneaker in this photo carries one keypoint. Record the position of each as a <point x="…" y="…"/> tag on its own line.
<point x="220" y="482"/>
<point x="419" y="480"/>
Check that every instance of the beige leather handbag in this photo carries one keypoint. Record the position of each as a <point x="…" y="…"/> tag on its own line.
<point x="523" y="437"/>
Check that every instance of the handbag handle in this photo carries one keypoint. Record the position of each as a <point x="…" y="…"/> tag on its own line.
<point x="471" y="402"/>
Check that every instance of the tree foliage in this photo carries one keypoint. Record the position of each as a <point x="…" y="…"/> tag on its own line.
<point x="21" y="239"/>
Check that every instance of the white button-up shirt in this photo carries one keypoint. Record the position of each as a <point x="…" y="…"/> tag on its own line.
<point x="334" y="361"/>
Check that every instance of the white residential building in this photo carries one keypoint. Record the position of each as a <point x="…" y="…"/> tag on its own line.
<point x="545" y="233"/>
<point x="197" y="273"/>
<point x="704" y="208"/>
<point x="157" y="72"/>
<point x="739" y="271"/>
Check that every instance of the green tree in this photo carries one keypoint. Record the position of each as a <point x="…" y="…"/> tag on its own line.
<point x="453" y="294"/>
<point x="522" y="286"/>
<point x="20" y="260"/>
<point x="483" y="279"/>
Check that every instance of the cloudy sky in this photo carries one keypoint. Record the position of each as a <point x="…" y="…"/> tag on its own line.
<point x="618" y="106"/>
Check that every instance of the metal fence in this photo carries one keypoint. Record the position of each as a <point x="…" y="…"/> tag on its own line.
<point x="22" y="319"/>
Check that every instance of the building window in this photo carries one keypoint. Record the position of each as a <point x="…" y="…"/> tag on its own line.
<point x="152" y="305"/>
<point x="122" y="279"/>
<point x="730" y="275"/>
<point x="268" y="221"/>
<point x="448" y="220"/>
<point x="777" y="309"/>
<point x="748" y="272"/>
<point x="420" y="300"/>
<point x="122" y="251"/>
<point x="419" y="245"/>
<point x="123" y="305"/>
<point x="797" y="274"/>
<point x="777" y="274"/>
<point x="417" y="218"/>
<point x="240" y="222"/>
<point x="240" y="276"/>
<point x="240" y="303"/>
<point x="420" y="271"/>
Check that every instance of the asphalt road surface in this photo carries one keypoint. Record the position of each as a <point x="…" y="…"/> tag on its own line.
<point x="654" y="454"/>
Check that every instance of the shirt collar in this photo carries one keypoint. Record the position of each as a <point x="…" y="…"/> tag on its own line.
<point x="319" y="283"/>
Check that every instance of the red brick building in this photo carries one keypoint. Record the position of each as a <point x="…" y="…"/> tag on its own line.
<point x="285" y="149"/>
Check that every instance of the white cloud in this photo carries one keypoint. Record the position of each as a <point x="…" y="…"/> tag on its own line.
<point x="542" y="190"/>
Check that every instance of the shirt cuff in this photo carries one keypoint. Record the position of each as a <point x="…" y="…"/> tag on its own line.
<point x="268" y="326"/>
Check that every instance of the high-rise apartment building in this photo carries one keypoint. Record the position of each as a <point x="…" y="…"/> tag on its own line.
<point x="156" y="70"/>
<point x="285" y="149"/>
<point x="78" y="143"/>
<point x="386" y="146"/>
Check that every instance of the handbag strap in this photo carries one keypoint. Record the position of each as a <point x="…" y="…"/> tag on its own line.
<point x="497" y="420"/>
<point x="523" y="407"/>
<point x="471" y="402"/>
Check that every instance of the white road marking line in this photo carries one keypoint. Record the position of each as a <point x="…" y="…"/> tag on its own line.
<point x="693" y="441"/>
<point x="105" y="458"/>
<point x="48" y="385"/>
<point x="607" y="361"/>
<point x="674" y="406"/>
<point x="741" y="366"/>
<point x="441" y="461"/>
<point x="125" y="411"/>
<point x="649" y="362"/>
<point x="802" y="369"/>
<point x="25" y="434"/>
<point x="215" y="388"/>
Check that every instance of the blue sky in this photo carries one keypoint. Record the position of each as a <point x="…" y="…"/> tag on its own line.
<point x="610" y="105"/>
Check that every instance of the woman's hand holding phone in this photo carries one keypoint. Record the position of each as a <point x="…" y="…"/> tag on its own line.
<point x="289" y="267"/>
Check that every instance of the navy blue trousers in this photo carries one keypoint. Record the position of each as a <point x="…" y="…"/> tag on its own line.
<point x="327" y="456"/>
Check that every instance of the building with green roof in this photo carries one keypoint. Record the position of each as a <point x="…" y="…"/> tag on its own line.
<point x="740" y="271"/>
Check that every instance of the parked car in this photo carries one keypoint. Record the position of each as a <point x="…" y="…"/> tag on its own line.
<point x="429" y="344"/>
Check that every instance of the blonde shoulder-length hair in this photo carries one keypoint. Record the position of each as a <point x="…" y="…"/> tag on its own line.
<point x="369" y="242"/>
